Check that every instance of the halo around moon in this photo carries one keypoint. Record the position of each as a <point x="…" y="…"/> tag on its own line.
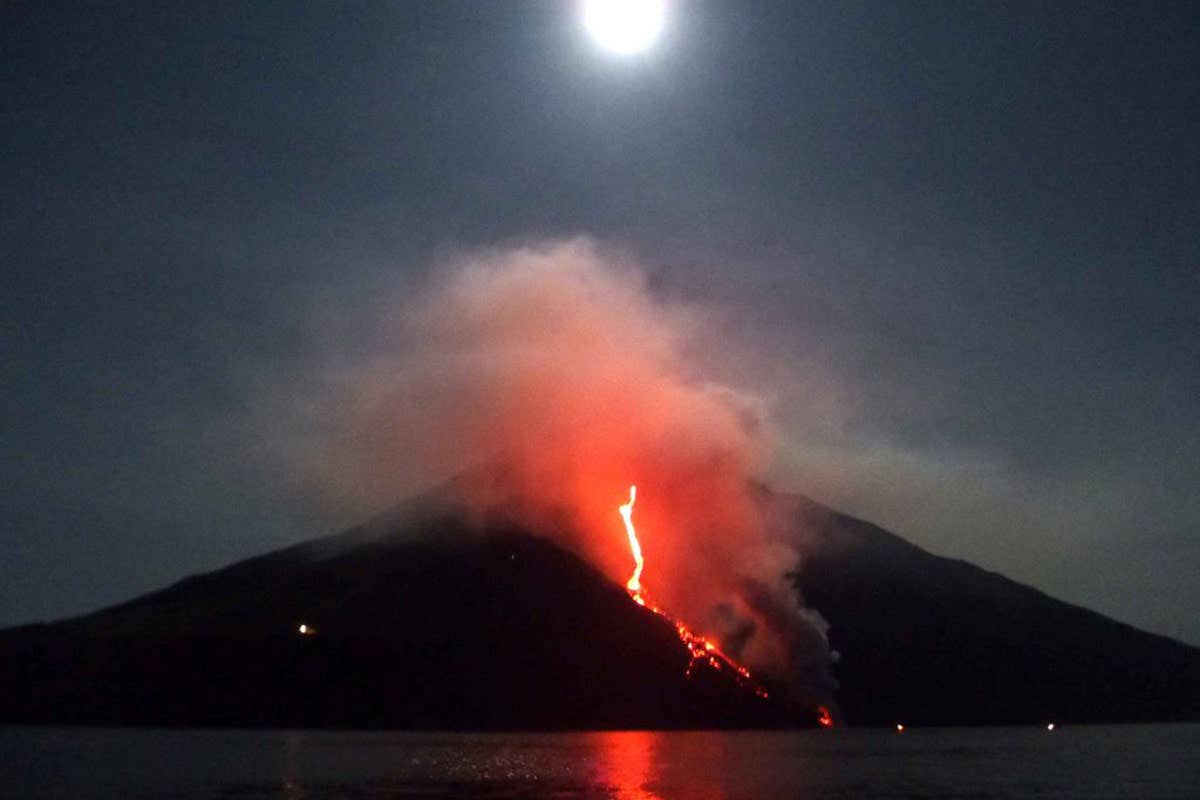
<point x="624" y="27"/>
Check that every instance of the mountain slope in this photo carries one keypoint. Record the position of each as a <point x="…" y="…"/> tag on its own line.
<point x="931" y="640"/>
<point x="422" y="621"/>
<point x="455" y="630"/>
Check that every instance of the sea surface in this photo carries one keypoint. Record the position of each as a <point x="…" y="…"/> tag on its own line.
<point x="1135" y="761"/>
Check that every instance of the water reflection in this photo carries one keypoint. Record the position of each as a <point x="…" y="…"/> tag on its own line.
<point x="648" y="765"/>
<point x="1005" y="764"/>
<point x="291" y="787"/>
<point x="626" y="763"/>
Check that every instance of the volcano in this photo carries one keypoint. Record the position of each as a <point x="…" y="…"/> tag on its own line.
<point x="926" y="640"/>
<point x="423" y="618"/>
<point x="418" y="619"/>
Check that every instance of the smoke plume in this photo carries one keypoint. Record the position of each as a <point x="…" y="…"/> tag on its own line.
<point x="554" y="377"/>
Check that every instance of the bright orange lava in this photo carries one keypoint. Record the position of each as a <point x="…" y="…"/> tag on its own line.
<point x="702" y="650"/>
<point x="634" y="585"/>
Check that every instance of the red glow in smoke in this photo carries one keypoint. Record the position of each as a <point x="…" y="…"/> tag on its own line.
<point x="704" y="651"/>
<point x="557" y="364"/>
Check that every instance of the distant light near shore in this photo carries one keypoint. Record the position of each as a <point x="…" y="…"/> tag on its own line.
<point x="1050" y="727"/>
<point x="899" y="727"/>
<point x="305" y="629"/>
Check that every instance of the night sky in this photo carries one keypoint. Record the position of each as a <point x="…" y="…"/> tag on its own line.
<point x="966" y="234"/>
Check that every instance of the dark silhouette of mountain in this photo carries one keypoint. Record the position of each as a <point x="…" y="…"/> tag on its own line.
<point x="405" y="630"/>
<point x="930" y="640"/>
<point x="421" y="620"/>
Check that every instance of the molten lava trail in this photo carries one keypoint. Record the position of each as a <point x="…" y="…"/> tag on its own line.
<point x="703" y="651"/>
<point x="634" y="584"/>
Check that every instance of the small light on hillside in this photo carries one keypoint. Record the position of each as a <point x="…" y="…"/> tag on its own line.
<point x="899" y="727"/>
<point x="1050" y="727"/>
<point x="305" y="629"/>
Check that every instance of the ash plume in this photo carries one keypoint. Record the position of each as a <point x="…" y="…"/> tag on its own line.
<point x="556" y="368"/>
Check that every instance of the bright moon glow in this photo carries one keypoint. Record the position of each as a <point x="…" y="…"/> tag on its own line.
<point x="624" y="26"/>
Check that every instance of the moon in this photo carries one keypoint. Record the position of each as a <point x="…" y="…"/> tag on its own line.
<point x="624" y="27"/>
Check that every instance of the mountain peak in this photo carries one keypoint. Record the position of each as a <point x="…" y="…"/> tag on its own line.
<point x="424" y="617"/>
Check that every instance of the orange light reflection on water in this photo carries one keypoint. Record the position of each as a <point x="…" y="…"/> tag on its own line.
<point x="626" y="763"/>
<point x="629" y="765"/>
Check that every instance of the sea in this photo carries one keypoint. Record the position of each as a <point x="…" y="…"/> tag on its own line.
<point x="1092" y="762"/>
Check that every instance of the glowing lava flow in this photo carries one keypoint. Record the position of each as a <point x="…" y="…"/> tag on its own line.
<point x="826" y="719"/>
<point x="634" y="584"/>
<point x="701" y="649"/>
